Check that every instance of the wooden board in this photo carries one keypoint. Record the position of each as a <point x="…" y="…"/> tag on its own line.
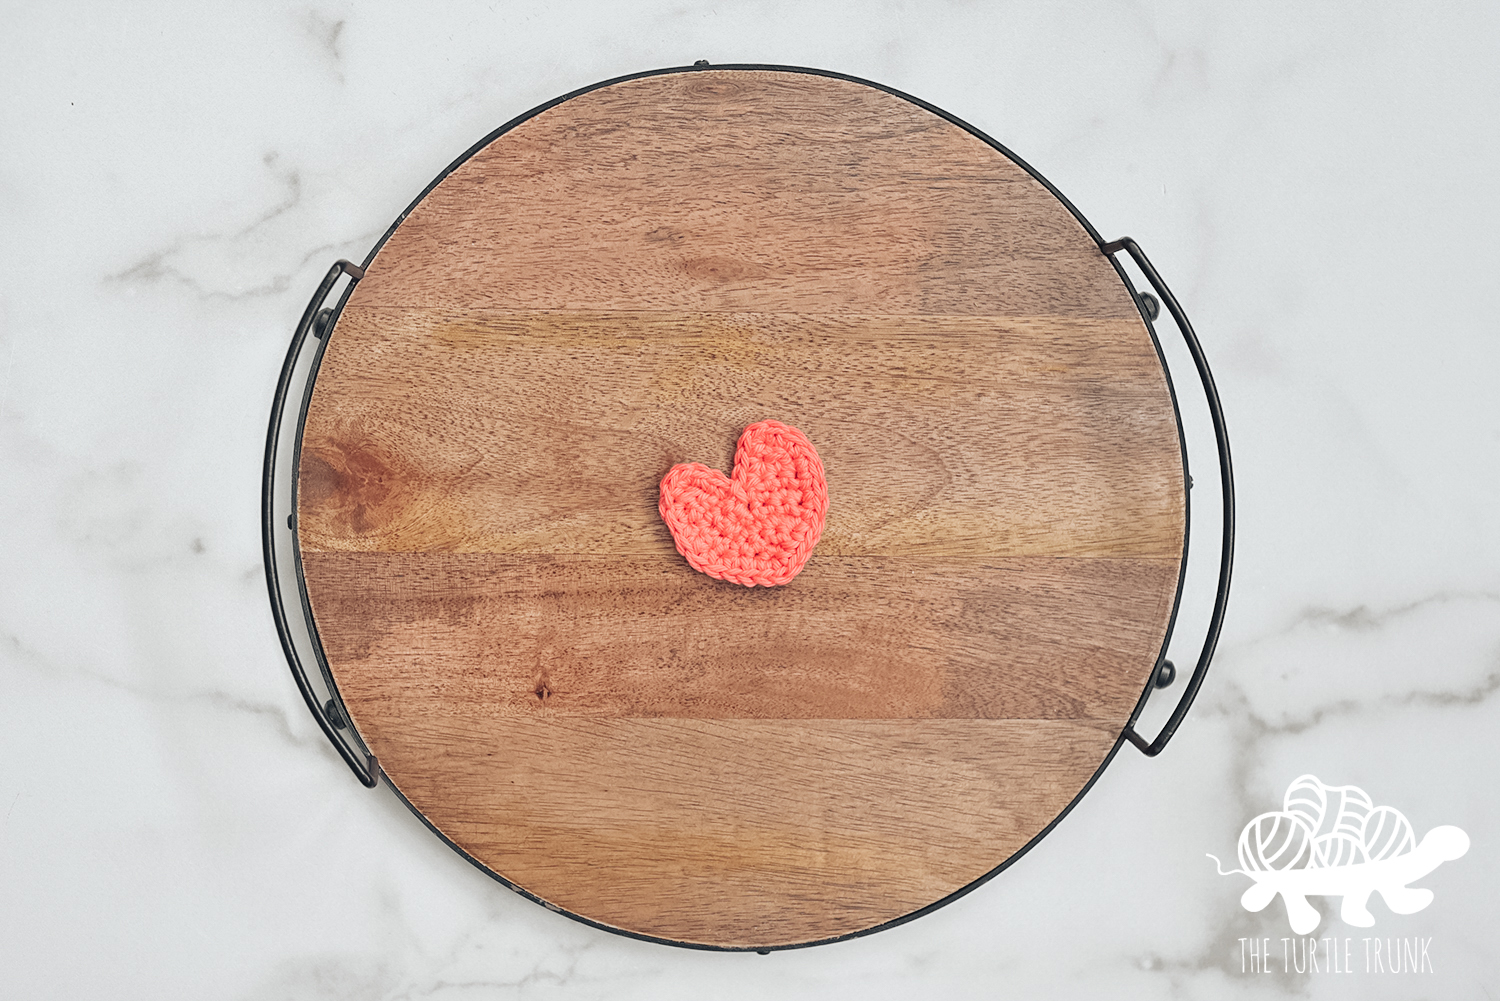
<point x="624" y="282"/>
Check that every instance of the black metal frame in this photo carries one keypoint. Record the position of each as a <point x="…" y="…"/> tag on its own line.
<point x="1226" y="480"/>
<point x="332" y="715"/>
<point x="332" y="718"/>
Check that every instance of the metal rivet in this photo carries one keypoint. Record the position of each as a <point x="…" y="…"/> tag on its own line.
<point x="1150" y="304"/>
<point x="1166" y="674"/>
<point x="334" y="716"/>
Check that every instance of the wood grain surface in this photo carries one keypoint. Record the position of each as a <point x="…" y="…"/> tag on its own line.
<point x="624" y="282"/>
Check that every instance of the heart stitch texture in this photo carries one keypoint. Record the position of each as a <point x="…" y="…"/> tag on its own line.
<point x="758" y="526"/>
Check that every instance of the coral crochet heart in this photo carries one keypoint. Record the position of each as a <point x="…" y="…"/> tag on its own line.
<point x="758" y="526"/>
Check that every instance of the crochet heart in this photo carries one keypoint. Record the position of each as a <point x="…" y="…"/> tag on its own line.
<point x="758" y="526"/>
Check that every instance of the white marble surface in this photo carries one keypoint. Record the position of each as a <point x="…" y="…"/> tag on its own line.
<point x="1317" y="182"/>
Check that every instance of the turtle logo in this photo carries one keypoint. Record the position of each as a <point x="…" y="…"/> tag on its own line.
<point x="1333" y="841"/>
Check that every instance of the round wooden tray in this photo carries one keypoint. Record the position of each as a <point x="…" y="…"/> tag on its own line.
<point x="624" y="280"/>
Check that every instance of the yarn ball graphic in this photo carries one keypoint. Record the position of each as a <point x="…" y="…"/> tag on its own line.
<point x="1334" y="841"/>
<point x="1274" y="841"/>
<point x="1387" y="833"/>
<point x="758" y="526"/>
<point x="1323" y="827"/>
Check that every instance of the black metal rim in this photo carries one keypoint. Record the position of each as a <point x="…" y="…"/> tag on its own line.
<point x="372" y="767"/>
<point x="1226" y="482"/>
<point x="367" y="771"/>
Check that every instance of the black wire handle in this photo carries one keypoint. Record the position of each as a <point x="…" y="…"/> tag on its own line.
<point x="329" y="718"/>
<point x="1226" y="478"/>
